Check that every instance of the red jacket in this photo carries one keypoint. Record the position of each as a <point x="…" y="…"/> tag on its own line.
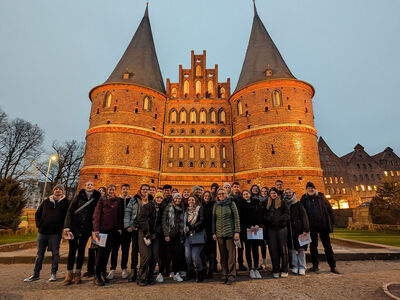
<point x="108" y="215"/>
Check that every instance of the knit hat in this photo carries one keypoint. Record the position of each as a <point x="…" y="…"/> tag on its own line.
<point x="177" y="195"/>
<point x="310" y="184"/>
<point x="196" y="187"/>
<point x="59" y="186"/>
<point x="158" y="195"/>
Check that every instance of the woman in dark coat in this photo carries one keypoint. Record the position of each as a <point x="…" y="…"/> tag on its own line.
<point x="210" y="248"/>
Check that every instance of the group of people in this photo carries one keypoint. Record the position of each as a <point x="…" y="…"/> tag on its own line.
<point x="180" y="232"/>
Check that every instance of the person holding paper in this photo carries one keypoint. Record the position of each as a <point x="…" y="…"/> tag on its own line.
<point x="251" y="219"/>
<point x="79" y="222"/>
<point x="107" y="219"/>
<point x="276" y="218"/>
<point x="298" y="228"/>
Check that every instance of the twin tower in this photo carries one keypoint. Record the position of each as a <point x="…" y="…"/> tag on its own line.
<point x="195" y="131"/>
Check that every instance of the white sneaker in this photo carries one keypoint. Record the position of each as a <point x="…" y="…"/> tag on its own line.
<point x="31" y="278"/>
<point x="275" y="275"/>
<point x="284" y="275"/>
<point x="178" y="277"/>
<point x="252" y="274"/>
<point x="160" y="278"/>
<point x="258" y="275"/>
<point x="111" y="275"/>
<point x="171" y="275"/>
<point x="302" y="272"/>
<point x="53" y="277"/>
<point x="295" y="271"/>
<point x="124" y="274"/>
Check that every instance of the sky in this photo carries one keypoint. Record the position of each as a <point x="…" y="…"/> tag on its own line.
<point x="52" y="53"/>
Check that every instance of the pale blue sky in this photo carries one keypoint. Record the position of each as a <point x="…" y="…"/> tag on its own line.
<point x="53" y="52"/>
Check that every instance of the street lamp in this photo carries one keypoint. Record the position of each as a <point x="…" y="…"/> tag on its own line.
<point x="52" y="158"/>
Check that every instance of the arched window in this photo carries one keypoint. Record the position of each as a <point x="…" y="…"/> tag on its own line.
<point x="341" y="180"/>
<point x="224" y="164"/>
<point x="186" y="88"/>
<point x="240" y="107"/>
<point x="171" y="152"/>
<point x="198" y="70"/>
<point x="222" y="91"/>
<point x="202" y="152"/>
<point x="181" y="152"/>
<point x="198" y="87"/>
<point x="223" y="152"/>
<point x="193" y="116"/>
<point x="203" y="116"/>
<point x="210" y="88"/>
<point x="213" y="116"/>
<point x="107" y="100"/>
<point x="173" y="116"/>
<point x="212" y="152"/>
<point x="222" y="116"/>
<point x="191" y="152"/>
<point x="174" y="92"/>
<point x="146" y="104"/>
<point x="182" y="116"/>
<point x="276" y="98"/>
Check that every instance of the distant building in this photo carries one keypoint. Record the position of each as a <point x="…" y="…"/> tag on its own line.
<point x="354" y="178"/>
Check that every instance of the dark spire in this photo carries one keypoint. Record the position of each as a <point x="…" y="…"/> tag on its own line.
<point x="261" y="55"/>
<point x="139" y="64"/>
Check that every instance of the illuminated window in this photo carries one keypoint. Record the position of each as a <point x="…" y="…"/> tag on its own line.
<point x="174" y="92"/>
<point x="171" y="152"/>
<point x="357" y="189"/>
<point x="203" y="117"/>
<point x="336" y="180"/>
<point x="222" y="93"/>
<point x="328" y="190"/>
<point x="193" y="117"/>
<point x="146" y="103"/>
<point x="223" y="152"/>
<point x="391" y="173"/>
<point x="334" y="204"/>
<point x="170" y="164"/>
<point x="333" y="191"/>
<point x="375" y="188"/>
<point x="173" y="116"/>
<point x="325" y="180"/>
<point x="276" y="98"/>
<point x="212" y="152"/>
<point x="182" y="116"/>
<point x="341" y="180"/>
<point x="369" y="188"/>
<point x="191" y="152"/>
<point x="213" y="116"/>
<point x="186" y="88"/>
<point x="343" y="204"/>
<point x="398" y="173"/>
<point x="181" y="152"/>
<point x="224" y="164"/>
<point x="386" y="173"/>
<point x="198" y="70"/>
<point x="198" y="87"/>
<point x="330" y="180"/>
<point x="343" y="191"/>
<point x="202" y="152"/>
<point x="240" y="107"/>
<point x="210" y="88"/>
<point x="107" y="100"/>
<point x="222" y="116"/>
<point x="363" y="188"/>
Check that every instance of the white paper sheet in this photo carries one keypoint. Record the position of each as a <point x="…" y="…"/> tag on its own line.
<point x="304" y="239"/>
<point x="103" y="240"/>
<point x="255" y="236"/>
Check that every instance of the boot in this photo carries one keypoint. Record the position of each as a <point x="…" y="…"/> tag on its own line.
<point x="77" y="278"/>
<point x="210" y="273"/>
<point x="132" y="276"/>
<point x="190" y="275"/>
<point x="98" y="281"/>
<point x="105" y="279"/>
<point x="200" y="276"/>
<point x="68" y="278"/>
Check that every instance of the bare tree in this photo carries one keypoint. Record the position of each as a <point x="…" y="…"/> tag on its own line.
<point x="3" y="121"/>
<point x="20" y="144"/>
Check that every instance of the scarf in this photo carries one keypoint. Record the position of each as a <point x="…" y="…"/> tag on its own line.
<point x="223" y="201"/>
<point x="290" y="201"/>
<point x="190" y="217"/>
<point x="89" y="194"/>
<point x="171" y="215"/>
<point x="263" y="199"/>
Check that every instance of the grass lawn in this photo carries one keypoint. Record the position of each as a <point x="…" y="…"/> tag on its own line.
<point x="386" y="238"/>
<point x="17" y="238"/>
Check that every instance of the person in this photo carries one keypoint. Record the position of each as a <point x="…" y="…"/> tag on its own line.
<point x="251" y="218"/>
<point x="195" y="239"/>
<point x="236" y="189"/>
<point x="214" y="188"/>
<point x="298" y="225"/>
<point x="159" y="189"/>
<point x="107" y="219"/>
<point x="255" y="191"/>
<point x="78" y="221"/>
<point x="125" y="238"/>
<point x="149" y="222"/>
<point x="152" y="191"/>
<point x="197" y="192"/>
<point x="279" y="187"/>
<point x="228" y="189"/>
<point x="49" y="219"/>
<point x="174" y="191"/>
<point x="167" y="193"/>
<point x="173" y="225"/>
<point x="263" y="244"/>
<point x="276" y="218"/>
<point x="321" y="219"/>
<point x="226" y="229"/>
<point x="210" y="248"/>
<point x="185" y="197"/>
<point x="92" y="251"/>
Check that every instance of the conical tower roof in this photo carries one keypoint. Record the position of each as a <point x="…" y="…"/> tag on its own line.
<point x="262" y="54"/>
<point x="139" y="62"/>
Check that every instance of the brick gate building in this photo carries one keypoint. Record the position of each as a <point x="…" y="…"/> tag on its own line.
<point x="196" y="131"/>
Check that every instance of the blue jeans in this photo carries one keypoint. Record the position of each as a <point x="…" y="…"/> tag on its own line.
<point x="192" y="255"/>
<point x="52" y="242"/>
<point x="299" y="259"/>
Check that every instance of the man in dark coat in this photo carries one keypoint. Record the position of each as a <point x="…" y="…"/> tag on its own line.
<point x="79" y="223"/>
<point x="321" y="219"/>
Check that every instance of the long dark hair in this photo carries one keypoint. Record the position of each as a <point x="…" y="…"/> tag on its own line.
<point x="251" y="190"/>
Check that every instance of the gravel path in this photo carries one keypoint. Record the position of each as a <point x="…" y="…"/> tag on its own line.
<point x="359" y="280"/>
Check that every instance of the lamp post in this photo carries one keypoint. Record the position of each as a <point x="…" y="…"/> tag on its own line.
<point x="52" y="158"/>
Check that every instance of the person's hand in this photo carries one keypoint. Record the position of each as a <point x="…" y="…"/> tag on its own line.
<point x="167" y="239"/>
<point x="129" y="229"/>
<point x="120" y="231"/>
<point x="147" y="241"/>
<point x="214" y="237"/>
<point x="66" y="231"/>
<point x="95" y="236"/>
<point x="236" y="237"/>
<point x="256" y="228"/>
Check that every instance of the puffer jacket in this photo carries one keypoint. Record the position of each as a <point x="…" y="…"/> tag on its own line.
<point x="225" y="220"/>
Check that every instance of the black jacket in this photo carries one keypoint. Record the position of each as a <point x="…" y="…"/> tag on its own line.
<point x="149" y="220"/>
<point x="319" y="211"/>
<point x="208" y="209"/>
<point x="251" y="214"/>
<point x="276" y="218"/>
<point x="81" y="223"/>
<point x="50" y="215"/>
<point x="298" y="224"/>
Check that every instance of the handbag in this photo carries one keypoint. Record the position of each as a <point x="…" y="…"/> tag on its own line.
<point x="198" y="238"/>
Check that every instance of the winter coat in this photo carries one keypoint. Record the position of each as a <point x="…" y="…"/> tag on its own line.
<point x="199" y="223"/>
<point x="208" y="209"/>
<point x="251" y="214"/>
<point x="50" y="215"/>
<point x="81" y="223"/>
<point x="149" y="220"/>
<point x="298" y="224"/>
<point x="319" y="211"/>
<point x="108" y="215"/>
<point x="132" y="206"/>
<point x="225" y="219"/>
<point x="276" y="218"/>
<point x="176" y="229"/>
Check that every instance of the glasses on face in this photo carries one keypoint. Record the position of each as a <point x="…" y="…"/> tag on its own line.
<point x="145" y="189"/>
<point x="221" y="193"/>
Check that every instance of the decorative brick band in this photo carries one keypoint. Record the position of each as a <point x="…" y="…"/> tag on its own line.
<point x="118" y="170"/>
<point x="273" y="128"/>
<point x="279" y="171"/>
<point x="125" y="86"/>
<point x="125" y="129"/>
<point x="205" y="139"/>
<point x="196" y="177"/>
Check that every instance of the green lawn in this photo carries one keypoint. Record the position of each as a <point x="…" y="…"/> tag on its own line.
<point x="17" y="238"/>
<point x="391" y="239"/>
